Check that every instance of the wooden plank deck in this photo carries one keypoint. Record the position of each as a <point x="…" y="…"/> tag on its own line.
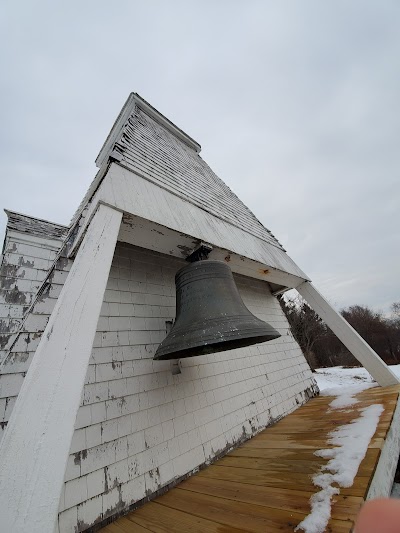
<point x="265" y="484"/>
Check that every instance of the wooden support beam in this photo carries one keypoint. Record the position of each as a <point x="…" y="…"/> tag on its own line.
<point x="348" y="335"/>
<point x="35" y="447"/>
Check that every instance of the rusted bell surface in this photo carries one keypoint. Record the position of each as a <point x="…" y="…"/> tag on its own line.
<point x="210" y="314"/>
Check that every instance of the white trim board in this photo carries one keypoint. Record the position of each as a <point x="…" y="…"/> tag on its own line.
<point x="35" y="447"/>
<point x="124" y="190"/>
<point x="382" y="482"/>
<point x="146" y="234"/>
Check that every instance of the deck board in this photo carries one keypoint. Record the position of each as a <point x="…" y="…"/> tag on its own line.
<point x="287" y="499"/>
<point x="265" y="484"/>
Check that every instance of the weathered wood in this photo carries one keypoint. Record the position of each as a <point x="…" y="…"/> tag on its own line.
<point x="246" y="516"/>
<point x="250" y="255"/>
<point x="161" y="519"/>
<point x="345" y="507"/>
<point x="35" y="447"/>
<point x="127" y="526"/>
<point x="348" y="335"/>
<point x="385" y="470"/>
<point x="268" y="488"/>
<point x="301" y="445"/>
<point x="280" y="479"/>
<point x="276" y="466"/>
<point x="294" y="457"/>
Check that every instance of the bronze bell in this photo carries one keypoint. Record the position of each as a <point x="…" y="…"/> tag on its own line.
<point x="210" y="314"/>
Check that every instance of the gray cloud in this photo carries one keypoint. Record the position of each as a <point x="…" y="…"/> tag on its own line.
<point x="295" y="104"/>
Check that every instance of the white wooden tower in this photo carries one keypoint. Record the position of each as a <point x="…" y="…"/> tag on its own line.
<point x="92" y="424"/>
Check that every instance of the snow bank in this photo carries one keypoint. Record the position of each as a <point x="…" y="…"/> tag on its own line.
<point x="350" y="443"/>
<point x="337" y="376"/>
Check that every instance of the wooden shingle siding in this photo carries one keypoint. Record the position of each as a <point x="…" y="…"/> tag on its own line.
<point x="139" y="427"/>
<point x="153" y="152"/>
<point x="35" y="226"/>
<point x="30" y="248"/>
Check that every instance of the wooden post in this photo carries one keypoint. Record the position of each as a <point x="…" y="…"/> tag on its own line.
<point x="348" y="335"/>
<point x="35" y="447"/>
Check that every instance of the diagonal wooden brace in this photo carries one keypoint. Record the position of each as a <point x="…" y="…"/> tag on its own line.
<point x="348" y="335"/>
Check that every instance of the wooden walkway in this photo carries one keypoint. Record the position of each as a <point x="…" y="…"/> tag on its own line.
<point x="265" y="484"/>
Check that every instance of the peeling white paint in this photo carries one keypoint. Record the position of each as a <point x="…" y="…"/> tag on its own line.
<point x="34" y="449"/>
<point x="381" y="484"/>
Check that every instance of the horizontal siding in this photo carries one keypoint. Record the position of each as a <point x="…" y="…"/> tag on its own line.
<point x="25" y="264"/>
<point x="139" y="427"/>
<point x="156" y="154"/>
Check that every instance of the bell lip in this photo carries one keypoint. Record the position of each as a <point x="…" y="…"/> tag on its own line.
<point x="215" y="347"/>
<point x="251" y="327"/>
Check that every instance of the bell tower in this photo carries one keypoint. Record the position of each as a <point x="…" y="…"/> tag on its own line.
<point x="98" y="420"/>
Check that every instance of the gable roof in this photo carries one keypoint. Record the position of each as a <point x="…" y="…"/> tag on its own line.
<point x="35" y="226"/>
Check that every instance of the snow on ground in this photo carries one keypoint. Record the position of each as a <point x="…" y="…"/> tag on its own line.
<point x="342" y="467"/>
<point x="338" y="376"/>
<point x="345" y="458"/>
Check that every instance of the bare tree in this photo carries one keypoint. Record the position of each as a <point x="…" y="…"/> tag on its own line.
<point x="306" y="326"/>
<point x="322" y="348"/>
<point x="380" y="332"/>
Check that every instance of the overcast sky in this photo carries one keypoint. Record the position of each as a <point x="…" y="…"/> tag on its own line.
<point x="295" y="104"/>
